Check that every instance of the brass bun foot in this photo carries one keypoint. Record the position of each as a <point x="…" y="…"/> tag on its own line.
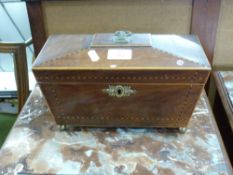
<point x="62" y="127"/>
<point x="182" y="130"/>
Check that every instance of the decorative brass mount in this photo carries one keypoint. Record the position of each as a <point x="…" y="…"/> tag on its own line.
<point x="122" y="36"/>
<point x="119" y="91"/>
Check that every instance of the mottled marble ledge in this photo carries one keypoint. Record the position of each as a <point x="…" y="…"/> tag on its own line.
<point x="35" y="145"/>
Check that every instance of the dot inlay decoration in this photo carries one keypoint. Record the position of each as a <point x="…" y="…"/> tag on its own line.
<point x="72" y="77"/>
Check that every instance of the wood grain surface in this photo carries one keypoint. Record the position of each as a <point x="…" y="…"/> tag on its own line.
<point x="166" y="91"/>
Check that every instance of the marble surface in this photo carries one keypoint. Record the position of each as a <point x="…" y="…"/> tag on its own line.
<point x="36" y="145"/>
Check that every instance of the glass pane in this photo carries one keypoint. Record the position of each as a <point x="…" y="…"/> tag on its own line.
<point x="16" y="29"/>
<point x="30" y="56"/>
<point x="6" y="62"/>
<point x="8" y="88"/>
<point x="30" y="59"/>
<point x="15" y="20"/>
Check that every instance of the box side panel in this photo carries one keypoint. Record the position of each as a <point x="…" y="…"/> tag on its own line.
<point x="145" y="105"/>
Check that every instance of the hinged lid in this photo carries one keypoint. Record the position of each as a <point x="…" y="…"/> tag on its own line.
<point x="133" y="52"/>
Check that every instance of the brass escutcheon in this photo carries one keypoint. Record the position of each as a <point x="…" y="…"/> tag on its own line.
<point x="119" y="91"/>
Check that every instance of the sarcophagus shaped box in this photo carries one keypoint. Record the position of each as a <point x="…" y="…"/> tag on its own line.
<point x="122" y="79"/>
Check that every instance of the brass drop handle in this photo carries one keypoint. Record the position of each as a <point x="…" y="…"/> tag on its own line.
<point x="119" y="91"/>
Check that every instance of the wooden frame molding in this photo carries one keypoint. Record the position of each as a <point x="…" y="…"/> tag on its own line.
<point x="36" y="21"/>
<point x="205" y="15"/>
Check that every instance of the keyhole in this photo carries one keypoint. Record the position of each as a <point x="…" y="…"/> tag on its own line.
<point x="119" y="92"/>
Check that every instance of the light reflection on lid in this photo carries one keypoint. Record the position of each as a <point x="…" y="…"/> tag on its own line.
<point x="113" y="65"/>
<point x="180" y="62"/>
<point x="93" y="55"/>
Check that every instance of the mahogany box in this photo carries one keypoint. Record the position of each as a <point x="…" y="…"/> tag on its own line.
<point x="122" y="79"/>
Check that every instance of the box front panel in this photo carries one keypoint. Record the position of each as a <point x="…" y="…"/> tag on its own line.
<point x="132" y="105"/>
